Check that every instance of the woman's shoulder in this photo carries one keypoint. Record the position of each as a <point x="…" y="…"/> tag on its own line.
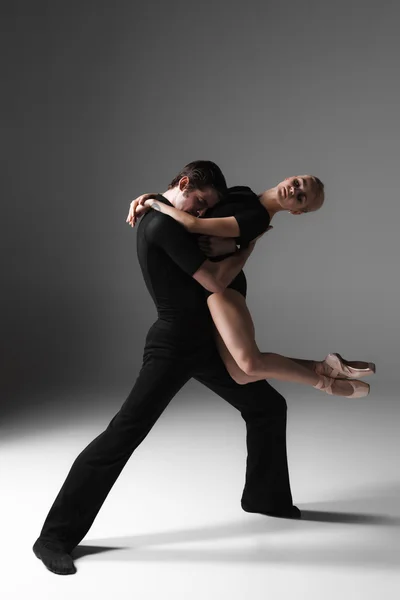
<point x="238" y="200"/>
<point x="239" y="193"/>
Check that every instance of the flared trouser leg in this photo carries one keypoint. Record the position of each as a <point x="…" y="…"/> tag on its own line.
<point x="264" y="410"/>
<point x="98" y="466"/>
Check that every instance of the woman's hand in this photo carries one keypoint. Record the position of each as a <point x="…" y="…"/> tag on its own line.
<point x="213" y="245"/>
<point x="138" y="208"/>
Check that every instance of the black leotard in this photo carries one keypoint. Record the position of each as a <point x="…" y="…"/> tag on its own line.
<point x="253" y="219"/>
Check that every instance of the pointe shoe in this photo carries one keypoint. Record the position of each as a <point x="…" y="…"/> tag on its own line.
<point x="337" y="367"/>
<point x="360" y="388"/>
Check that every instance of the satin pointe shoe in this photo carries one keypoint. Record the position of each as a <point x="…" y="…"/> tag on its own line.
<point x="360" y="388"/>
<point x="334" y="365"/>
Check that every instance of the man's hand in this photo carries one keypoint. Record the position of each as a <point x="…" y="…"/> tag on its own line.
<point x="138" y="208"/>
<point x="213" y="245"/>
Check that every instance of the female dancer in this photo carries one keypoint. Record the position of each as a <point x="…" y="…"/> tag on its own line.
<point x="246" y="216"/>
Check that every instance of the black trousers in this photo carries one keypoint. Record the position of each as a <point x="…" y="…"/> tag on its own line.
<point x="168" y="364"/>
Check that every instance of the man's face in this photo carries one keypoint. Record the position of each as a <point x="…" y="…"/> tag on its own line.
<point x="298" y="194"/>
<point x="196" y="202"/>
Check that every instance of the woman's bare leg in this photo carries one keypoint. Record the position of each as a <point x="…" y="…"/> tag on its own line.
<point x="231" y="366"/>
<point x="235" y="326"/>
<point x="309" y="364"/>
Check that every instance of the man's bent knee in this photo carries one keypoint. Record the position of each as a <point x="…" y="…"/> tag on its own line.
<point x="270" y="405"/>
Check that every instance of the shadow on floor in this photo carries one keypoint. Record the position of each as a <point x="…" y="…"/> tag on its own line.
<point x="374" y="554"/>
<point x="374" y="542"/>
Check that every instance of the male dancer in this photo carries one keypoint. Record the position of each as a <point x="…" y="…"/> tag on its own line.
<point x="179" y="345"/>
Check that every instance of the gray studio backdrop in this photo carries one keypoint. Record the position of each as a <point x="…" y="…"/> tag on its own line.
<point x="106" y="100"/>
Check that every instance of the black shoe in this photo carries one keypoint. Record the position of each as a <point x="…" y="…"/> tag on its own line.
<point x="288" y="513"/>
<point x="54" y="557"/>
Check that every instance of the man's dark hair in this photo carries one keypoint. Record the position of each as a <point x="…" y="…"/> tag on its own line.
<point x="202" y="174"/>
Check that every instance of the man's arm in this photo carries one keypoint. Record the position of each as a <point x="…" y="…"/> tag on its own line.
<point x="182" y="248"/>
<point x="217" y="248"/>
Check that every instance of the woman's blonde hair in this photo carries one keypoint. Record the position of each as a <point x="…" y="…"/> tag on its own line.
<point x="320" y="191"/>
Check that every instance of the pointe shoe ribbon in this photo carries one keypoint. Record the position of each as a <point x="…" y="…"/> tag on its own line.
<point x="334" y="365"/>
<point x="360" y="388"/>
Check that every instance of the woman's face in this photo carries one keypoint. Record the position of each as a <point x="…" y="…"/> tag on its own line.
<point x="297" y="194"/>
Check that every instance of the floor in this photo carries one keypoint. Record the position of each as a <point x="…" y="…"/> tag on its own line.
<point x="172" y="526"/>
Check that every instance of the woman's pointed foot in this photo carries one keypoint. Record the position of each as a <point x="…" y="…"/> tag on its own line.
<point x="334" y="365"/>
<point x="342" y="387"/>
